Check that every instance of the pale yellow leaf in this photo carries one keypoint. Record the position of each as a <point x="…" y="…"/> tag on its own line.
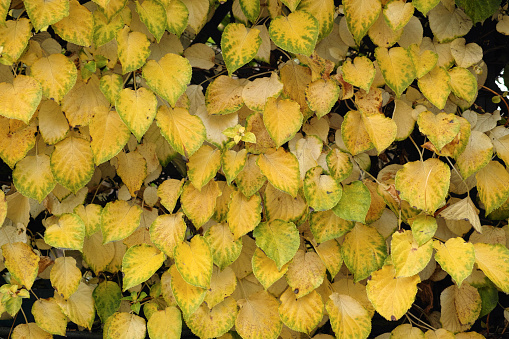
<point x="348" y="318"/>
<point x="56" y="74"/>
<point x="456" y="257"/>
<point x="199" y="205"/>
<point x="65" y="276"/>
<point x="258" y="317"/>
<point x="305" y="273"/>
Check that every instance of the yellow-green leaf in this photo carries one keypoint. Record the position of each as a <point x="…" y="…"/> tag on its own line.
<point x="250" y="179"/>
<point x="322" y="95"/>
<point x="493" y="185"/>
<point x="397" y="68"/>
<point x="43" y="13"/>
<point x="423" y="228"/>
<point x="305" y="273"/>
<point x="225" y="249"/>
<point x="302" y="314"/>
<point x="111" y="7"/>
<point x="407" y="256"/>
<point x="153" y="15"/>
<point x="330" y="253"/>
<point x="239" y="45"/>
<point x="188" y="297"/>
<point x="233" y="162"/>
<point x="67" y="233"/>
<point x="424" y="184"/>
<point x="14" y="146"/>
<point x="166" y="323"/>
<point x="78" y="26"/>
<point x="282" y="118"/>
<point x="137" y="109"/>
<point x="424" y="60"/>
<point x="265" y="269"/>
<point x="119" y="220"/>
<point x="323" y="11"/>
<point x="124" y="325"/>
<point x="203" y="165"/>
<point x="20" y="99"/>
<point x="199" y="205"/>
<point x="258" y="317"/>
<point x="30" y="331"/>
<point x="348" y="318"/>
<point x="327" y="225"/>
<point x="381" y="130"/>
<point x="109" y="134"/>
<point x="476" y="155"/>
<point x="167" y="232"/>
<point x="213" y="322"/>
<point x="65" y="276"/>
<point x="183" y="131"/>
<point x="354" y="203"/>
<point x="296" y="33"/>
<point x="424" y="6"/>
<point x="244" y="214"/>
<point x="168" y="77"/>
<point x="194" y="262"/>
<point x="33" y="178"/>
<point x="322" y="192"/>
<point x="49" y="317"/>
<point x="224" y="96"/>
<point x="22" y="262"/>
<point x="354" y="134"/>
<point x="360" y="72"/>
<point x="492" y="260"/>
<point x="56" y="74"/>
<point x="463" y="83"/>
<point x="360" y="16"/>
<point x="434" y="85"/>
<point x="278" y="239"/>
<point x="106" y="30"/>
<point x="72" y="163"/>
<point x="456" y="257"/>
<point x="111" y="85"/>
<point x="250" y="8"/>
<point x="133" y="50"/>
<point x="339" y="164"/>
<point x="140" y="262"/>
<point x="441" y="128"/>
<point x="363" y="250"/>
<point x="282" y="170"/>
<point x="391" y="296"/>
<point x="177" y="16"/>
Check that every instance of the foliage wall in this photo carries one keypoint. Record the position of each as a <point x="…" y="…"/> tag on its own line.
<point x="253" y="168"/>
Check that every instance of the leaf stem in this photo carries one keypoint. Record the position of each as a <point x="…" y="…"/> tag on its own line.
<point x="497" y="94"/>
<point x="417" y="147"/>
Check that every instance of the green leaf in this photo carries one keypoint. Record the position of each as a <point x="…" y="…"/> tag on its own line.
<point x="296" y="33"/>
<point x="397" y="68"/>
<point x="479" y="10"/>
<point x="239" y="45"/>
<point x="251" y="9"/>
<point x="354" y="203"/>
<point x="153" y="15"/>
<point x="107" y="297"/>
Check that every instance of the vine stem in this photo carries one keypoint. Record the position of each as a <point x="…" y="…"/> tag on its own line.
<point x="417" y="147"/>
<point x="498" y="95"/>
<point x="212" y="77"/>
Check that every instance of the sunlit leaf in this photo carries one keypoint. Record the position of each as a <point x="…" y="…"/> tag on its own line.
<point x="109" y="135"/>
<point x="463" y="83"/>
<point x="323" y="11"/>
<point x="119" y="220"/>
<point x="456" y="257"/>
<point x="140" y="262"/>
<point x="199" y="205"/>
<point x="33" y="178"/>
<point x="348" y="318"/>
<point x="67" y="233"/>
<point x="152" y="14"/>
<point x="22" y="262"/>
<point x="203" y="165"/>
<point x="233" y="162"/>
<point x="177" y="16"/>
<point x="282" y="118"/>
<point x="354" y="134"/>
<point x="360" y="72"/>
<point x="282" y="170"/>
<point x="44" y="13"/>
<point x="243" y="213"/>
<point x="188" y="297"/>
<point x="65" y="276"/>
<point x="79" y="308"/>
<point x="132" y="169"/>
<point x="194" y="262"/>
<point x="137" y="109"/>
<point x="56" y="74"/>
<point x="106" y="30"/>
<point x="239" y="45"/>
<point x="258" y="317"/>
<point x="407" y="256"/>
<point x="397" y="68"/>
<point x="165" y="323"/>
<point x="20" y="99"/>
<point x="322" y="192"/>
<point x="327" y="225"/>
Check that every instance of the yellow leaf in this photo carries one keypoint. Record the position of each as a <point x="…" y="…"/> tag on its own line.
<point x="441" y="128"/>
<point x="56" y="74"/>
<point x="43" y="13"/>
<point x="282" y="170"/>
<point x="33" y="178"/>
<point x="15" y="145"/>
<point x="493" y="185"/>
<point x="435" y="86"/>
<point x="140" y="262"/>
<point x="65" y="276"/>
<point x="265" y="269"/>
<point x="213" y="323"/>
<point x="133" y="50"/>
<point x="153" y="15"/>
<point x="360" y="16"/>
<point x="78" y="26"/>
<point x="132" y="169"/>
<point x="96" y="255"/>
<point x="183" y="131"/>
<point x="449" y="309"/>
<point x="282" y="118"/>
<point x="169" y="191"/>
<point x="330" y="254"/>
<point x="424" y="6"/>
<point x="123" y="325"/>
<point x="243" y="213"/>
<point x="111" y="85"/>
<point x="323" y="11"/>
<point x="355" y="290"/>
<point x="477" y="154"/>
<point x="354" y="133"/>
<point x="3" y="207"/>
<point x="233" y="162"/>
<point x="30" y="331"/>
<point x="295" y="79"/>
<point x="492" y="260"/>
<point x="168" y="77"/>
<point x="322" y="95"/>
<point x="301" y="314"/>
<point x="348" y="318"/>
<point x="424" y="184"/>
<point x="225" y="249"/>
<point x="20" y="100"/>
<point x="397" y="68"/>
<point x="167" y="232"/>
<point x="203" y="165"/>
<point x="391" y="296"/>
<point x="111" y="7"/>
<point x="456" y="257"/>
<point x="194" y="262"/>
<point x="109" y="134"/>
<point x="49" y="316"/>
<point x="278" y="239"/>
<point x="381" y="130"/>
<point x="280" y="205"/>
<point x="199" y="205"/>
<point x="305" y="273"/>
<point x="250" y="8"/>
<point x="222" y="202"/>
<point x="407" y="331"/>
<point x="177" y="16"/>
<point x="322" y="192"/>
<point x="166" y="323"/>
<point x="224" y="96"/>
<point x="119" y="220"/>
<point x="52" y="123"/>
<point x="423" y="228"/>
<point x="67" y="233"/>
<point x="14" y="37"/>
<point x="296" y="33"/>
<point x="250" y="179"/>
<point x="137" y="109"/>
<point x="397" y="14"/>
<point x="463" y="83"/>
<point x="407" y="256"/>
<point x="22" y="262"/>
<point x="354" y="203"/>
<point x="360" y="72"/>
<point x="239" y="45"/>
<point x="339" y="164"/>
<point x="439" y="334"/>
<point x="79" y="308"/>
<point x="363" y="250"/>
<point x="258" y="317"/>
<point x="222" y="285"/>
<point x="188" y="297"/>
<point x="327" y="225"/>
<point x="424" y="60"/>
<point x="291" y="4"/>
<point x="106" y="30"/>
